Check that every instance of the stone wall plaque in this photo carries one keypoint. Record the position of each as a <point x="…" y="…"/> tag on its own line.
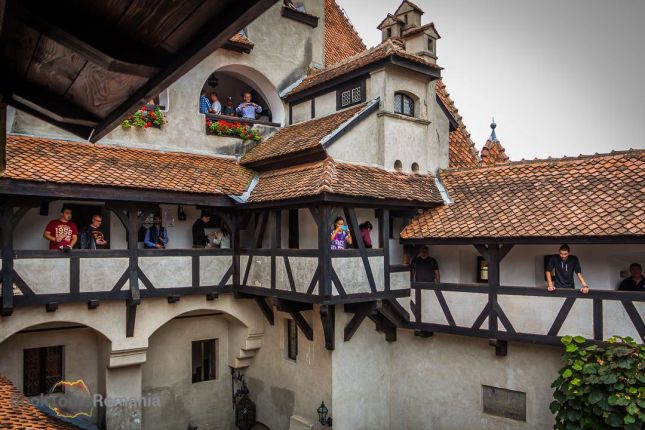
<point x="504" y="403"/>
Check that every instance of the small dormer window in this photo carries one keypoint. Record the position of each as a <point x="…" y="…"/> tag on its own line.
<point x="389" y="33"/>
<point x="350" y="95"/>
<point x="430" y="45"/>
<point x="405" y="18"/>
<point x="403" y="104"/>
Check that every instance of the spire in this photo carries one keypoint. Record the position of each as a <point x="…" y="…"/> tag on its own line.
<point x="493" y="152"/>
<point x="493" y="136"/>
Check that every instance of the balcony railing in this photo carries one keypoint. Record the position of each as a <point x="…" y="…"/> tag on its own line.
<point x="526" y="313"/>
<point x="214" y="117"/>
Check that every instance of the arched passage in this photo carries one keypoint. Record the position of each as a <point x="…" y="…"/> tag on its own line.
<point x="61" y="364"/>
<point x="233" y="80"/>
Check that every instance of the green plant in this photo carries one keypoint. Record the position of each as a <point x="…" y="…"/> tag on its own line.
<point x="600" y="387"/>
<point x="144" y="118"/>
<point x="233" y="129"/>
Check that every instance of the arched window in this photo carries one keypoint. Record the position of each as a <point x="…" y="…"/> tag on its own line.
<point x="415" y="168"/>
<point x="403" y="104"/>
<point x="398" y="166"/>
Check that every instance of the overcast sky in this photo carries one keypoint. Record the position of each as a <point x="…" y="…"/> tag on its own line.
<point x="561" y="77"/>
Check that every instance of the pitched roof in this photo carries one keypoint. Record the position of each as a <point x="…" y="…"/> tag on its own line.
<point x="412" y="5"/>
<point x="16" y="412"/>
<point x="372" y="55"/>
<point x="65" y="162"/>
<point x="591" y="196"/>
<point x="462" y="152"/>
<point x="414" y="30"/>
<point x="332" y="177"/>
<point x="341" y="39"/>
<point x="301" y="137"/>
<point x="493" y="153"/>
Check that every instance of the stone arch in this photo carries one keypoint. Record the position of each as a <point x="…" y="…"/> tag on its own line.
<point x="258" y="82"/>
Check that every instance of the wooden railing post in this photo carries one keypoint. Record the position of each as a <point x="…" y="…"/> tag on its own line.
<point x="6" y="232"/>
<point x="324" y="248"/>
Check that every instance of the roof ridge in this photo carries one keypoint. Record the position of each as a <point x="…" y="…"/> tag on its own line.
<point x="549" y="160"/>
<point x="328" y="175"/>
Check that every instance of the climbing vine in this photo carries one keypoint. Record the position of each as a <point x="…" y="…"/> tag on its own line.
<point x="600" y="386"/>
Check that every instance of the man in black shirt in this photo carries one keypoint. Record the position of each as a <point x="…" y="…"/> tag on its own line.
<point x="425" y="268"/>
<point x="565" y="266"/>
<point x="91" y="236"/>
<point x="200" y="239"/>
<point x="635" y="282"/>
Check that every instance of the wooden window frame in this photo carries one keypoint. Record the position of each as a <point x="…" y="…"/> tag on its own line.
<point x="349" y="87"/>
<point x="481" y="263"/>
<point x="43" y="386"/>
<point x="213" y="363"/>
<point x="291" y="335"/>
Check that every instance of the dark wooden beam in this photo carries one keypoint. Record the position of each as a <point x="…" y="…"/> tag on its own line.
<point x="384" y="243"/>
<point x="501" y="347"/>
<point x="324" y="248"/>
<point x="328" y="318"/>
<point x="360" y="311"/>
<point x="116" y="194"/>
<point x="635" y="317"/>
<point x="292" y="306"/>
<point x="130" y="319"/>
<point x="302" y="17"/>
<point x="597" y="319"/>
<point x="302" y="324"/>
<point x="214" y="35"/>
<point x="562" y="315"/>
<point x="267" y="310"/>
<point x="350" y="215"/>
<point x="294" y="229"/>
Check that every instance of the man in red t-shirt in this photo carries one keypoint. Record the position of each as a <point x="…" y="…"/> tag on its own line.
<point x="62" y="233"/>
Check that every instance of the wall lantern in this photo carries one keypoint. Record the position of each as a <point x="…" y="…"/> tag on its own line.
<point x="322" y="415"/>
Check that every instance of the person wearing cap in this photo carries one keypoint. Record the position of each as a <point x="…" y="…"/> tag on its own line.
<point x="229" y="109"/>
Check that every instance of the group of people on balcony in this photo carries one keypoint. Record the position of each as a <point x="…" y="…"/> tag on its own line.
<point x="246" y="109"/>
<point x="63" y="234"/>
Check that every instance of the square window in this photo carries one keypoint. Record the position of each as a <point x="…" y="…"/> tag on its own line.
<point x="204" y="360"/>
<point x="42" y="370"/>
<point x="430" y="45"/>
<point x="482" y="270"/>
<point x="292" y="339"/>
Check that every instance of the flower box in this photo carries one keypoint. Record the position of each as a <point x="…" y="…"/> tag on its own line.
<point x="232" y="129"/>
<point x="147" y="116"/>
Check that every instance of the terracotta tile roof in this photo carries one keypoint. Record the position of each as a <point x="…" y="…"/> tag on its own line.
<point x="47" y="160"/>
<point x="240" y="39"/>
<point x="493" y="153"/>
<point x="341" y="39"/>
<point x="598" y="195"/>
<point x="17" y="413"/>
<point x="416" y="29"/>
<point x="462" y="152"/>
<point x="372" y="55"/>
<point x="329" y="176"/>
<point x="299" y="137"/>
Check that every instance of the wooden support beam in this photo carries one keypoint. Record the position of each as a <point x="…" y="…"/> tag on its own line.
<point x="423" y="333"/>
<point x="360" y="311"/>
<point x="211" y="296"/>
<point x="324" y="248"/>
<point x="130" y="318"/>
<point x="195" y="270"/>
<point x="93" y="304"/>
<point x="384" y="243"/>
<point x="8" y="276"/>
<point x="501" y="347"/>
<point x="302" y="324"/>
<point x="294" y="229"/>
<point x="384" y="326"/>
<point x="597" y="319"/>
<point x="328" y="318"/>
<point x="267" y="310"/>
<point x="635" y="317"/>
<point x="562" y="315"/>
<point x="276" y="242"/>
<point x="350" y="215"/>
<point x="289" y="306"/>
<point x="51" y="307"/>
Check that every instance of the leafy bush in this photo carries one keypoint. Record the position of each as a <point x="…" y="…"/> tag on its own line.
<point x="600" y="387"/>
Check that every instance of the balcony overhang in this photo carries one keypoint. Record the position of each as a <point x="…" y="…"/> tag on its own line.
<point x="110" y="58"/>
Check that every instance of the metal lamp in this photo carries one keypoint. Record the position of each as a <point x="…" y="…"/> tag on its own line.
<point x="322" y="415"/>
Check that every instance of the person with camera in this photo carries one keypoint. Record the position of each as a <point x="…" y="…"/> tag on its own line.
<point x="340" y="235"/>
<point x="156" y="235"/>
<point x="247" y="109"/>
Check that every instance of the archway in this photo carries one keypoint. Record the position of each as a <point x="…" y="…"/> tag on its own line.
<point x="234" y="79"/>
<point x="61" y="366"/>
